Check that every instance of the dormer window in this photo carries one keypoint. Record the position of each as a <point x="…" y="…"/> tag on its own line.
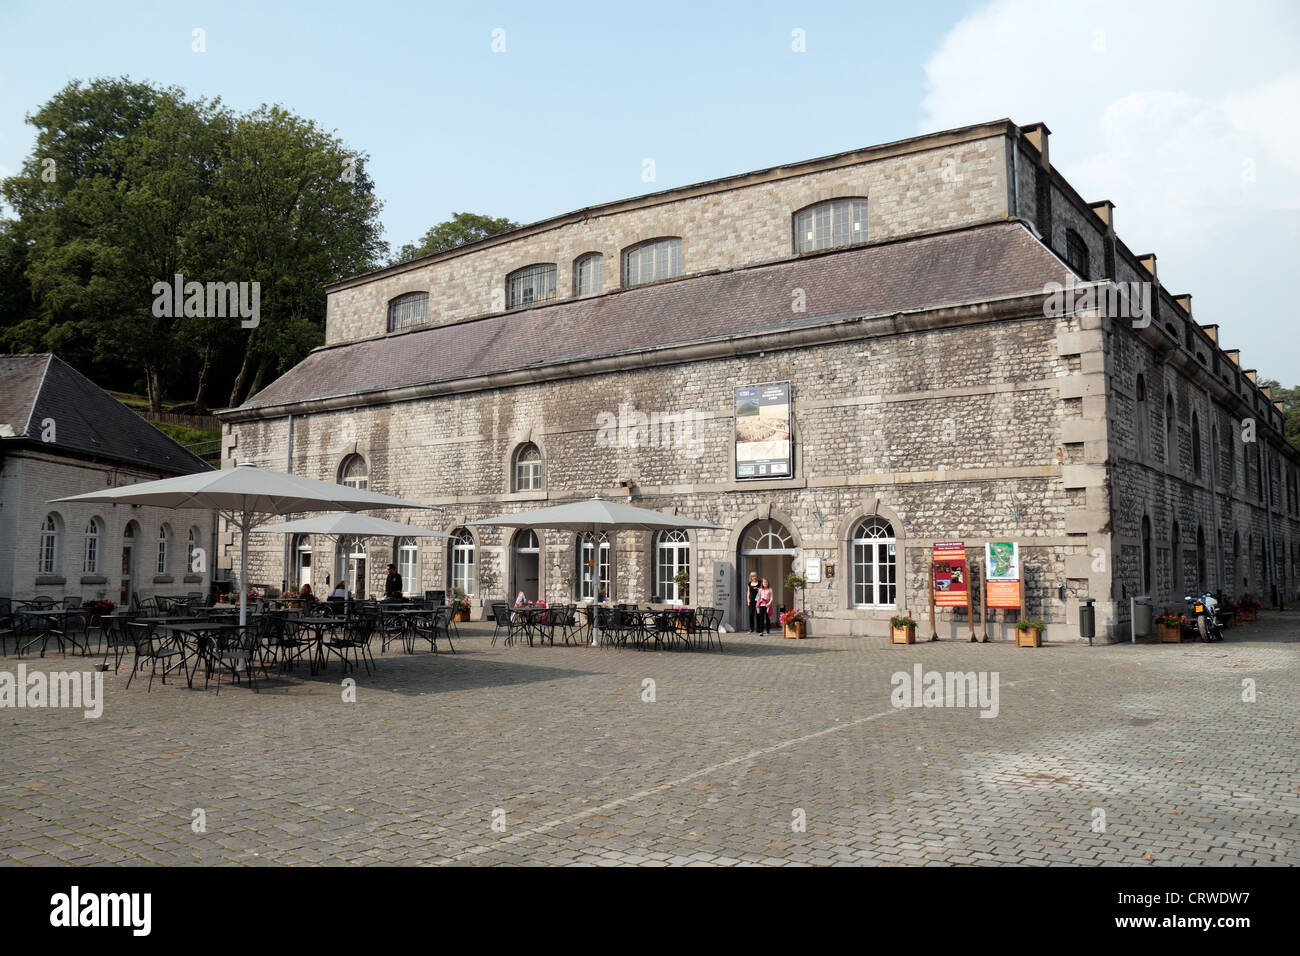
<point x="830" y="225"/>
<point x="530" y="285"/>
<point x="408" y="310"/>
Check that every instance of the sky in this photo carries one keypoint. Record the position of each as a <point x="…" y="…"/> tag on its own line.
<point x="1184" y="113"/>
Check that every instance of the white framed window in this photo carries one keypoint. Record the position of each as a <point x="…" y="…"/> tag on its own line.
<point x="47" y="561"/>
<point x="531" y="285"/>
<point x="528" y="468"/>
<point x="461" y="547"/>
<point x="191" y="548"/>
<point x="164" y="545"/>
<point x="90" y="555"/>
<point x="651" y="261"/>
<point x="672" y="555"/>
<point x="588" y="274"/>
<point x="830" y="225"/>
<point x="354" y="473"/>
<point x="407" y="311"/>
<point x="875" y="564"/>
<point x="593" y="565"/>
<point x="407" y="559"/>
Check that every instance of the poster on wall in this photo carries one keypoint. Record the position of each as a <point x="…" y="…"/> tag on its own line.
<point x="950" y="577"/>
<point x="763" y="431"/>
<point x="1002" y="573"/>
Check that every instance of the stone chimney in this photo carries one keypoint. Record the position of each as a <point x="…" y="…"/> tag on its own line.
<point x="1105" y="211"/>
<point x="1213" y="332"/>
<point x="1185" y="303"/>
<point x="1036" y="135"/>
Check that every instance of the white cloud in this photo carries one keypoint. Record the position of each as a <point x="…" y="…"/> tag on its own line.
<point x="1186" y="115"/>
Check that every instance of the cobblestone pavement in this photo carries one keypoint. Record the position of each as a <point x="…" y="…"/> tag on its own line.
<point x="559" y="749"/>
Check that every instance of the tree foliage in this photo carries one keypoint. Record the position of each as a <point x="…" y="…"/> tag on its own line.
<point x="461" y="228"/>
<point x="131" y="184"/>
<point x="1290" y="399"/>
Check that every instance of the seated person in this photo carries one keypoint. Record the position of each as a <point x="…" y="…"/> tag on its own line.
<point x="340" y="592"/>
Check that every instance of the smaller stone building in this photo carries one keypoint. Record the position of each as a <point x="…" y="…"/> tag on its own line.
<point x="61" y="435"/>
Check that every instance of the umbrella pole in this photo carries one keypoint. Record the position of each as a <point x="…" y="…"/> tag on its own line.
<point x="595" y="589"/>
<point x="244" y="528"/>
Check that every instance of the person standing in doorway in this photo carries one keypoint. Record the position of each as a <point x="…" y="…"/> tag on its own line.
<point x="751" y="598"/>
<point x="393" y="584"/>
<point x="765" y="608"/>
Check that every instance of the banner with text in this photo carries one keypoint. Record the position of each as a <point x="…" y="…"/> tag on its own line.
<point x="763" y="431"/>
<point x="1002" y="573"/>
<point x="950" y="576"/>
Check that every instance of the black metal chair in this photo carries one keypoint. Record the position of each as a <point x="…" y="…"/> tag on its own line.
<point x="115" y="638"/>
<point x="436" y="623"/>
<point x="355" y="638"/>
<point x="154" y="649"/>
<point x="504" y="620"/>
<point x="393" y="627"/>
<point x="71" y="628"/>
<point x="236" y="649"/>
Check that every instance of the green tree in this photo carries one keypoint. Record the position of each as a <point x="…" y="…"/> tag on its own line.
<point x="1290" y="399"/>
<point x="461" y="228"/>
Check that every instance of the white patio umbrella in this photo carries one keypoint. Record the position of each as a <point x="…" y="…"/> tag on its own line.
<point x="348" y="525"/>
<point x="248" y="496"/>
<point x="593" y="515"/>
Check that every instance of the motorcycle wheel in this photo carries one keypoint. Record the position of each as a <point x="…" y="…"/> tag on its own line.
<point x="1204" y="630"/>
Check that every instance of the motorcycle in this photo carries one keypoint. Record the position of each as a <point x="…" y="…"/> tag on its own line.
<point x="1205" y="617"/>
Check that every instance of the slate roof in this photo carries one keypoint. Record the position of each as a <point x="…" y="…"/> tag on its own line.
<point x="87" y="420"/>
<point x="954" y="268"/>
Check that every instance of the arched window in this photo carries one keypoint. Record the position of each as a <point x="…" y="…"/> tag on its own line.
<point x="1076" y="253"/>
<point x="531" y="285"/>
<point x="354" y="473"/>
<point x="588" y="274"/>
<point x="164" y="546"/>
<point x="1176" y="583"/>
<point x="528" y="468"/>
<point x="48" y="557"/>
<point x="672" y="555"/>
<point x="830" y="225"/>
<point x="302" y="558"/>
<point x="1196" y="444"/>
<point x="1202" y="583"/>
<point x="90" y="556"/>
<point x="651" y="261"/>
<point x="408" y="310"/>
<point x="1146" y="555"/>
<point x="191" y="550"/>
<point x="1143" y="415"/>
<point x="593" y="564"/>
<point x="1171" y="453"/>
<point x="406" y="558"/>
<point x="461" y="560"/>
<point x="875" y="569"/>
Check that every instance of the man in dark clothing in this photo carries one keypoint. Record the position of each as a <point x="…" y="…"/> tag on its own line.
<point x="393" y="584"/>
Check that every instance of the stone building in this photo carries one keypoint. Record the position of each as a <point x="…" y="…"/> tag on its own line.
<point x="846" y="359"/>
<point x="61" y="435"/>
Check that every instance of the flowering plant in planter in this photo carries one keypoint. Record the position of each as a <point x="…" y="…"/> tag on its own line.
<point x="1171" y="620"/>
<point x="792" y="617"/>
<point x="101" y="607"/>
<point x="1248" y="602"/>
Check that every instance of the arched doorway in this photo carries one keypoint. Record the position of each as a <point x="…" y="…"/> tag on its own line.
<point x="525" y="565"/>
<point x="302" y="559"/>
<point x="350" y="566"/>
<point x="129" y="535"/>
<point x="767" y="547"/>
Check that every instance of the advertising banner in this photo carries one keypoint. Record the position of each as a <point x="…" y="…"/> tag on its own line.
<point x="950" y="577"/>
<point x="1002" y="573"/>
<point x="763" y="431"/>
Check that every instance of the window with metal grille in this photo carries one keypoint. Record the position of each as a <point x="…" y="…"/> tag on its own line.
<point x="651" y="261"/>
<point x="1076" y="253"/>
<point x="589" y="274"/>
<point x="530" y="285"/>
<point x="408" y="310"/>
<point x="830" y="224"/>
<point x="875" y="564"/>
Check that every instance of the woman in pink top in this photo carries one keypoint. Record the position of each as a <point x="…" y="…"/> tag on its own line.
<point x="764" y="607"/>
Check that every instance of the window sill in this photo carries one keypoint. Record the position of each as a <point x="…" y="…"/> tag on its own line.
<point x="192" y="579"/>
<point x="94" y="579"/>
<point x="163" y="579"/>
<point x="50" y="580"/>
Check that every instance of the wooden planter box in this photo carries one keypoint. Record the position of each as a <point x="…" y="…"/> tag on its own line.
<point x="1170" y="633"/>
<point x="1029" y="637"/>
<point x="903" y="635"/>
<point x="1243" y="615"/>
<point x="462" y="616"/>
<point x="795" y="629"/>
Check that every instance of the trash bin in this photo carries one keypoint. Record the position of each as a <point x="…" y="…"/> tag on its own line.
<point x="1143" y="619"/>
<point x="1087" y="619"/>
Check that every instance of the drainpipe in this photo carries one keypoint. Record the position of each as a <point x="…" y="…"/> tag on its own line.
<point x="1267" y="484"/>
<point x="1214" y="491"/>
